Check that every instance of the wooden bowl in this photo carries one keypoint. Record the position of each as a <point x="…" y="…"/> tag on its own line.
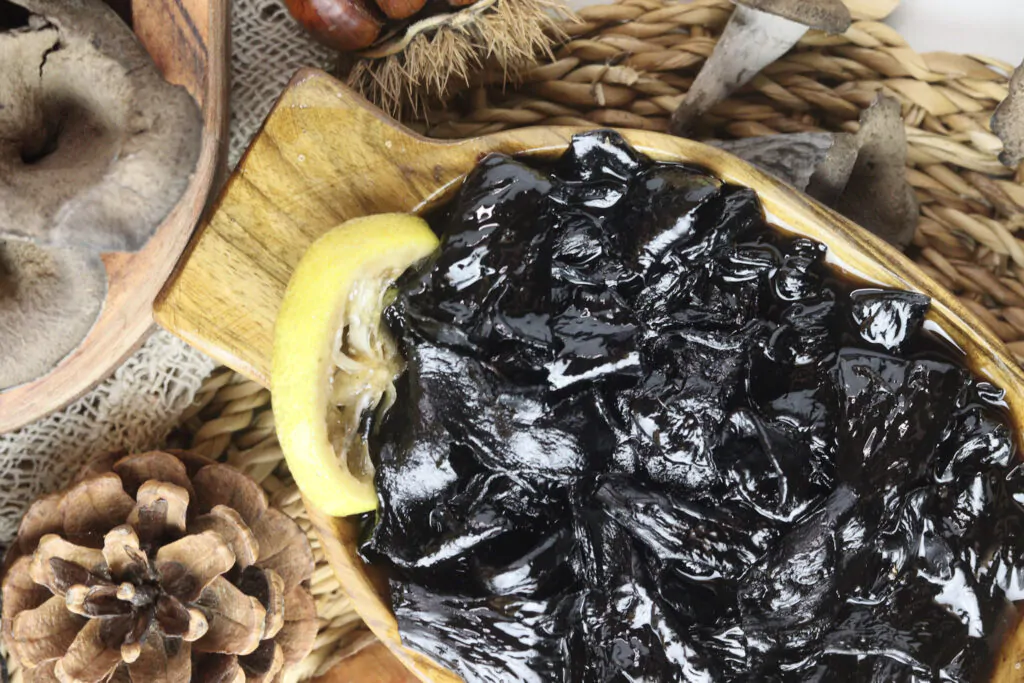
<point x="325" y="155"/>
<point x="188" y="40"/>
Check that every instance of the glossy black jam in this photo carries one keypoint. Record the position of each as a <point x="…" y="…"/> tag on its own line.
<point x="645" y="437"/>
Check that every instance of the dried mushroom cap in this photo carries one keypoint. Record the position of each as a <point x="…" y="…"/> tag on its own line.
<point x="825" y="15"/>
<point x="831" y="176"/>
<point x="95" y="147"/>
<point x="1008" y="121"/>
<point x="757" y="34"/>
<point x="124" y="580"/>
<point x="49" y="300"/>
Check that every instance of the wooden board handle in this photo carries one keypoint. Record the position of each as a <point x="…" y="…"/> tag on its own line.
<point x="324" y="156"/>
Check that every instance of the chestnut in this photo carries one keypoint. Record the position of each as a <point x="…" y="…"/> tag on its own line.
<point x="344" y="25"/>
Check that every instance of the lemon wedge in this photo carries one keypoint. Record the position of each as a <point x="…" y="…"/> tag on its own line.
<point x="334" y="360"/>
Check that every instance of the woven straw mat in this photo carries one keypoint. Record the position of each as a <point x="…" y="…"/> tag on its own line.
<point x="628" y="64"/>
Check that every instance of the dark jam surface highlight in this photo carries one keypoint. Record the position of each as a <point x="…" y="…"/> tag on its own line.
<point x="645" y="437"/>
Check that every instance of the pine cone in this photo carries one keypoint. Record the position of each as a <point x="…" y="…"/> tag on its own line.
<point x="158" y="568"/>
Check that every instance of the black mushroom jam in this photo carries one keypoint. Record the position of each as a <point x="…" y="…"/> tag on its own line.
<point x="644" y="436"/>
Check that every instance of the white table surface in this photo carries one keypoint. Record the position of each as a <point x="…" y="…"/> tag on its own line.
<point x="994" y="28"/>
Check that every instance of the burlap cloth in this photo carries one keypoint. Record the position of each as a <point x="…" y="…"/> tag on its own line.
<point x="145" y="397"/>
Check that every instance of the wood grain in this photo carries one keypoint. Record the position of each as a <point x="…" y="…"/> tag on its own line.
<point x="188" y="40"/>
<point x="325" y="155"/>
<point x="372" y="664"/>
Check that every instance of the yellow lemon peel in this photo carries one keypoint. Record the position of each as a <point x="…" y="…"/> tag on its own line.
<point x="333" y="359"/>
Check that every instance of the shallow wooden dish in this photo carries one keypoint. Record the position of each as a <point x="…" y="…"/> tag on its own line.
<point x="325" y="155"/>
<point x="188" y="40"/>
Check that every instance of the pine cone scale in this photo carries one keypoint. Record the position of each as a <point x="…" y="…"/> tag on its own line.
<point x="162" y="661"/>
<point x="173" y="617"/>
<point x="268" y="587"/>
<point x="300" y="624"/>
<point x="45" y="632"/>
<point x="264" y="664"/>
<point x="44" y="673"/>
<point x="283" y="547"/>
<point x="202" y="557"/>
<point x="90" y="508"/>
<point x="96" y="601"/>
<point x="75" y="564"/>
<point x="160" y="511"/>
<point x="236" y="620"/>
<point x="43" y="517"/>
<point x="88" y="659"/>
<point x="215" y="668"/>
<point x="121" y="551"/>
<point x="230" y="526"/>
<point x="20" y="593"/>
<point x="136" y="470"/>
<point x="220" y="485"/>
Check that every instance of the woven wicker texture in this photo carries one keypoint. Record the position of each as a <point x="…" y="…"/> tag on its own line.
<point x="629" y="64"/>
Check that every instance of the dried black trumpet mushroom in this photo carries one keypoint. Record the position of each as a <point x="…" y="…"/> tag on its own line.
<point x="95" y="150"/>
<point x="644" y="436"/>
<point x="862" y="176"/>
<point x="878" y="196"/>
<point x="757" y="34"/>
<point x="1008" y="121"/>
<point x="819" y="164"/>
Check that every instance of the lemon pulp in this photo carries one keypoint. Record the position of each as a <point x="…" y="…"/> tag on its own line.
<point x="334" y="361"/>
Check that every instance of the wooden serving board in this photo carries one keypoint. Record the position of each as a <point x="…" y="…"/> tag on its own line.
<point x="188" y="40"/>
<point x="325" y="155"/>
